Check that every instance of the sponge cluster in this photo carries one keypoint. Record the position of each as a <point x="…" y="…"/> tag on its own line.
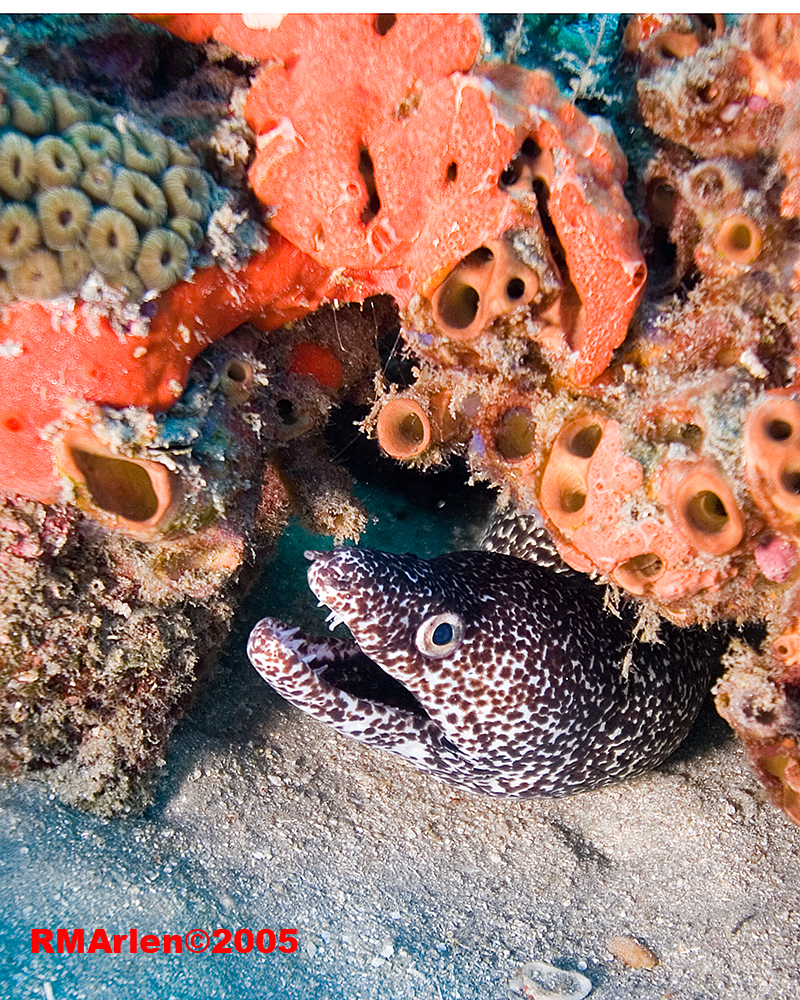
<point x="84" y="189"/>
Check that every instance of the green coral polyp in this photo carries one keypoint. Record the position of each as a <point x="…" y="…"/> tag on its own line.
<point x="57" y="163"/>
<point x="69" y="109"/>
<point x="146" y="152"/>
<point x="162" y="260"/>
<point x="37" y="277"/>
<point x="187" y="192"/>
<point x="64" y="215"/>
<point x="31" y="108"/>
<point x="112" y="241"/>
<point x="75" y="267"/>
<point x="87" y="191"/>
<point x="20" y="234"/>
<point x="17" y="166"/>
<point x="140" y="199"/>
<point x="98" y="182"/>
<point x="94" y="143"/>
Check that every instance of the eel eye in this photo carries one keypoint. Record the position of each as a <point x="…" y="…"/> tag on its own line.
<point x="440" y="635"/>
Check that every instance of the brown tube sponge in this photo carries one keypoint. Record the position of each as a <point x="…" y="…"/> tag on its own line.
<point x="739" y="239"/>
<point x="700" y="503"/>
<point x="236" y="380"/>
<point x="132" y="495"/>
<point x="403" y="429"/>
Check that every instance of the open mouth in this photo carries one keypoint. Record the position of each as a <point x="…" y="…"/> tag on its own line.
<point x="337" y="661"/>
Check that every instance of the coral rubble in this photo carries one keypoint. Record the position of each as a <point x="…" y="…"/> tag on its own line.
<point x="629" y="373"/>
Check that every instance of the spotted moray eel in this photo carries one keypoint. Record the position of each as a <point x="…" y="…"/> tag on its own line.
<point x="516" y="679"/>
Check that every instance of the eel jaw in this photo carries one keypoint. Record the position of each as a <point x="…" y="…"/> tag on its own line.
<point x="291" y="662"/>
<point x="274" y="647"/>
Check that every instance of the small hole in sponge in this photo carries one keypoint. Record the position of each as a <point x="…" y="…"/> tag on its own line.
<point x="585" y="442"/>
<point x="117" y="485"/>
<point x="458" y="304"/>
<point x="285" y="408"/>
<point x="384" y="23"/>
<point x="510" y="175"/>
<point x="411" y="430"/>
<point x="572" y="500"/>
<point x="706" y="513"/>
<point x="530" y="148"/>
<point x="238" y="371"/>
<point x="514" y="434"/>
<point x="479" y="257"/>
<point x="740" y="237"/>
<point x="403" y="429"/>
<point x="708" y="184"/>
<point x="515" y="289"/>
<point x="708" y="93"/>
<point x="661" y="202"/>
<point x="790" y="481"/>
<point x="367" y="170"/>
<point x="646" y="566"/>
<point x="779" y="430"/>
<point x="452" y="172"/>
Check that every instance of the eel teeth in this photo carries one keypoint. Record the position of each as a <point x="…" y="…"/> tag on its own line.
<point x="333" y="620"/>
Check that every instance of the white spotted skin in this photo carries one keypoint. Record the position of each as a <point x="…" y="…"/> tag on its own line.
<point x="534" y="701"/>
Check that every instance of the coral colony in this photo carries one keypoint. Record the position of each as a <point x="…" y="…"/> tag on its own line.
<point x="180" y="314"/>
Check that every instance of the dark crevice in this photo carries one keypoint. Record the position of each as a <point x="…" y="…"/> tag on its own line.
<point x="384" y="23"/>
<point x="367" y="170"/>
<point x="571" y="304"/>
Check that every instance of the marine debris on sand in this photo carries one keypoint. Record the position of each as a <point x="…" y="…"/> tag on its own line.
<point x="183" y="271"/>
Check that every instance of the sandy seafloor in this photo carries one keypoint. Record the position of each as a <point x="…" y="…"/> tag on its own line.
<point x="398" y="886"/>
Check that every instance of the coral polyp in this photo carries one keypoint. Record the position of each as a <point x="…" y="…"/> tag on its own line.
<point x="91" y="180"/>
